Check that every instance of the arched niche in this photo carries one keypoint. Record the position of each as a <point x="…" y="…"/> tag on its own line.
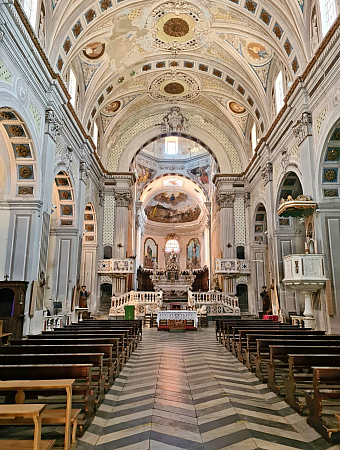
<point x="260" y="225"/>
<point x="194" y="253"/>
<point x="150" y="253"/>
<point x="63" y="202"/>
<point x="18" y="165"/>
<point x="330" y="166"/>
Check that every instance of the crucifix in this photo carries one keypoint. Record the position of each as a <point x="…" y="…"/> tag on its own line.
<point x="6" y="277"/>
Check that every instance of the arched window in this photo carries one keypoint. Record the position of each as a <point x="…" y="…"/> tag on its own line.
<point x="172" y="245"/>
<point x="95" y="134"/>
<point x="72" y="87"/>
<point x="279" y="92"/>
<point x="328" y="14"/>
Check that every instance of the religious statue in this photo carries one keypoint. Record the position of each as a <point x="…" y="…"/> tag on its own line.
<point x="265" y="300"/>
<point x="314" y="32"/>
<point x="41" y="32"/>
<point x="191" y="300"/>
<point x="83" y="296"/>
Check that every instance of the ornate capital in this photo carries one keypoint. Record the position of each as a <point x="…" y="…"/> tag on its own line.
<point x="267" y="173"/>
<point x="53" y="125"/>
<point x="123" y="198"/>
<point x="246" y="197"/>
<point x="303" y="127"/>
<point x="84" y="171"/>
<point x="225" y="199"/>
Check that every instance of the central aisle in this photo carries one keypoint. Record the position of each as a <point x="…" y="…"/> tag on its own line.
<point x="186" y="391"/>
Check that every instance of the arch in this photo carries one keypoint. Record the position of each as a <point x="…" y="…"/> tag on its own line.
<point x="150" y="253"/>
<point x="290" y="186"/>
<point x="63" y="202"/>
<point x="90" y="225"/>
<point x="18" y="162"/>
<point x="329" y="168"/>
<point x="260" y="224"/>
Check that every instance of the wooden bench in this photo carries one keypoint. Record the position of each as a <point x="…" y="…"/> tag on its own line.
<point x="300" y="376"/>
<point x="137" y="324"/>
<point x="323" y="402"/>
<point x="228" y="324"/>
<point x="96" y="359"/>
<point x="263" y="348"/>
<point x="109" y="360"/>
<point x="277" y="367"/>
<point x="70" y="341"/>
<point x="236" y="331"/>
<point x="84" y="395"/>
<point x="31" y="412"/>
<point x="251" y="351"/>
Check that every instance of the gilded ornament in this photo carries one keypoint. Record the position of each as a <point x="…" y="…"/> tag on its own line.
<point x="251" y="6"/>
<point x="174" y="88"/>
<point x="25" y="172"/>
<point x="22" y="150"/>
<point x="101" y="99"/>
<point x="176" y="27"/>
<point x="277" y="31"/>
<point x="16" y="130"/>
<point x="330" y="175"/>
<point x="295" y="65"/>
<point x="287" y="46"/>
<point x="188" y="64"/>
<point x="89" y="228"/>
<point x="105" y="4"/>
<point x="93" y="112"/>
<point x="173" y="64"/>
<point x="121" y="79"/>
<point x="159" y="65"/>
<point x="88" y="217"/>
<point x="109" y="89"/>
<point x="333" y="154"/>
<point x="65" y="195"/>
<point x="90" y="238"/>
<point x="265" y="17"/>
<point x="62" y="182"/>
<point x="90" y="15"/>
<point x="67" y="44"/>
<point x="67" y="210"/>
<point x="25" y="190"/>
<point x="60" y="64"/>
<point x="5" y="115"/>
<point x="77" y="30"/>
<point x="66" y="222"/>
<point x="236" y="108"/>
<point x="336" y="135"/>
<point x="331" y="193"/>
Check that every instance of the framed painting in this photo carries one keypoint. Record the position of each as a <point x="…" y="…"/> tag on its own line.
<point x="150" y="253"/>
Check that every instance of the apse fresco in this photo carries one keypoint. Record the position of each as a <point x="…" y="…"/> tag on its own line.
<point x="172" y="207"/>
<point x="194" y="253"/>
<point x="150" y="253"/>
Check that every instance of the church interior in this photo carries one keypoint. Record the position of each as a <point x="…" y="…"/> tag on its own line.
<point x="170" y="215"/>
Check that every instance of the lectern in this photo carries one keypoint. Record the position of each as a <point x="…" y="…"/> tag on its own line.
<point x="12" y="306"/>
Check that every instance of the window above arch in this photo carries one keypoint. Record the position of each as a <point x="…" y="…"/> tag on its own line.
<point x="172" y="245"/>
<point x="328" y="14"/>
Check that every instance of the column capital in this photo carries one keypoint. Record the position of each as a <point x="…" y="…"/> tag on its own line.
<point x="53" y="125"/>
<point x="303" y="126"/>
<point x="123" y="197"/>
<point x="267" y="172"/>
<point x="225" y="199"/>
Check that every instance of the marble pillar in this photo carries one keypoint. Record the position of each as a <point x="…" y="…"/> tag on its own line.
<point x="226" y="203"/>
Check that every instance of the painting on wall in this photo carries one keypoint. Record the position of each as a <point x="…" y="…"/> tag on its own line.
<point x="150" y="253"/>
<point x="144" y="175"/>
<point x="201" y="175"/>
<point x="172" y="207"/>
<point x="194" y="253"/>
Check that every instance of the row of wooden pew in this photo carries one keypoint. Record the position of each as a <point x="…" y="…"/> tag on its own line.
<point x="90" y="353"/>
<point x="300" y="364"/>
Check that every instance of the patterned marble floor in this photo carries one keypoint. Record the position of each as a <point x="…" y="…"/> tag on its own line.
<point x="185" y="391"/>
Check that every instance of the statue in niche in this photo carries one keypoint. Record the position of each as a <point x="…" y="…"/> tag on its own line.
<point x="314" y="30"/>
<point x="83" y="296"/>
<point x="41" y="32"/>
<point x="273" y="103"/>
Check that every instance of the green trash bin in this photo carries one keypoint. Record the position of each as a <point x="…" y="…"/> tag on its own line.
<point x="129" y="312"/>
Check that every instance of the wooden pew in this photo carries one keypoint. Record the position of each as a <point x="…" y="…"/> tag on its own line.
<point x="109" y="360"/>
<point x="277" y="367"/>
<point x="74" y="341"/>
<point x="227" y="328"/>
<point x="96" y="359"/>
<point x="83" y="393"/>
<point x="323" y="402"/>
<point x="241" y="345"/>
<point x="137" y="324"/>
<point x="235" y="339"/>
<point x="299" y="377"/>
<point x="251" y="351"/>
<point x="32" y="412"/>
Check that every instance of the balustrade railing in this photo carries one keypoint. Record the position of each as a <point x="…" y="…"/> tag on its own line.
<point x="229" y="303"/>
<point x="136" y="298"/>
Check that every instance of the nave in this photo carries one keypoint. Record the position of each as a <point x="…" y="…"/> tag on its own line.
<point x="187" y="391"/>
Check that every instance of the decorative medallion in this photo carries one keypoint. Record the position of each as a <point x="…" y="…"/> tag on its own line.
<point x="90" y="238"/>
<point x="90" y="15"/>
<point x="277" y="30"/>
<point x="109" y="89"/>
<point x="89" y="228"/>
<point x="178" y="86"/>
<point x="178" y="26"/>
<point x="16" y="130"/>
<point x="333" y="154"/>
<point x="330" y="175"/>
<point x="331" y="193"/>
<point x="112" y="107"/>
<point x="336" y="135"/>
<point x="265" y="17"/>
<point x="77" y="29"/>
<point x="236" y="108"/>
<point x="22" y="150"/>
<point x="67" y="45"/>
<point x="65" y="195"/>
<point x="94" y="50"/>
<point x="6" y="115"/>
<point x="66" y="222"/>
<point x="25" y="190"/>
<point x="88" y="216"/>
<point x="62" y="181"/>
<point x="174" y="88"/>
<point x="25" y="172"/>
<point x="105" y="5"/>
<point x="67" y="210"/>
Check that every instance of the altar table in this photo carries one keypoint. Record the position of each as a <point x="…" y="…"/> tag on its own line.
<point x="177" y="315"/>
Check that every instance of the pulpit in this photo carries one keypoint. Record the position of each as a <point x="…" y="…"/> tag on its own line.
<point x="12" y="306"/>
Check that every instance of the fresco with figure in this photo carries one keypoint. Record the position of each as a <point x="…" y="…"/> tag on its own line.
<point x="150" y="253"/>
<point x="172" y="207"/>
<point x="201" y="174"/>
<point x="144" y="175"/>
<point x="194" y="253"/>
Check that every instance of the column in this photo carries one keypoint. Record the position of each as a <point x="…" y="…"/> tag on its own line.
<point x="225" y="201"/>
<point x="140" y="220"/>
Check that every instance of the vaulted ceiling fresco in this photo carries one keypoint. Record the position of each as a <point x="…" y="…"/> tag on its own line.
<point x="218" y="59"/>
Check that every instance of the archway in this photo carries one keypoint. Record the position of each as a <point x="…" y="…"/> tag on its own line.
<point x="63" y="241"/>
